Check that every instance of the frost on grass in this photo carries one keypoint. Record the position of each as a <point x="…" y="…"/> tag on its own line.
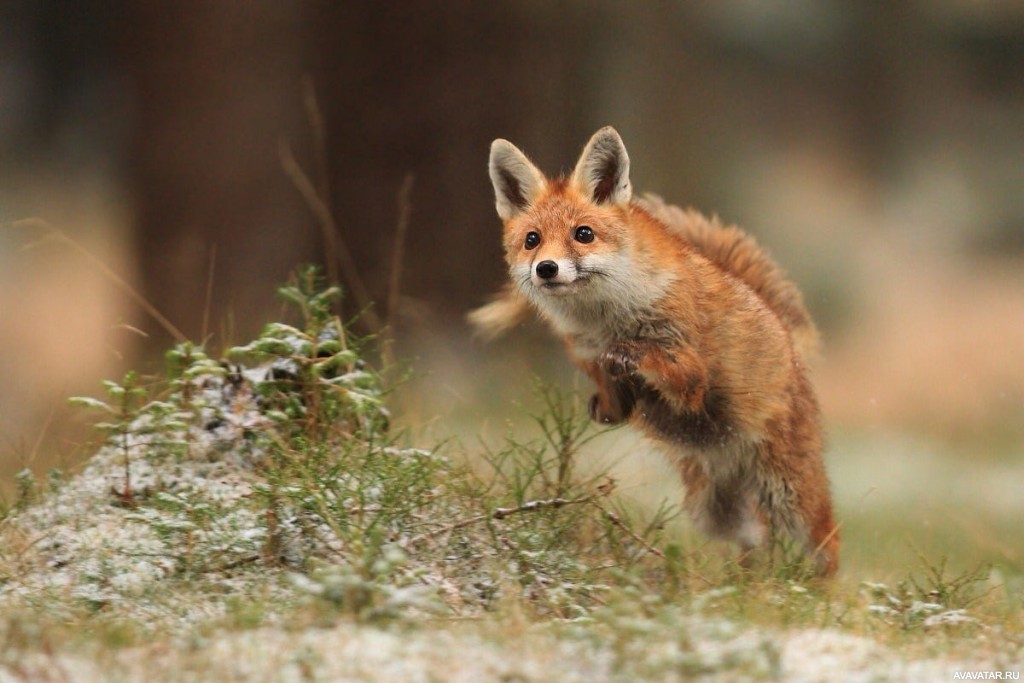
<point x="932" y="602"/>
<point x="142" y="526"/>
<point x="215" y="484"/>
<point x="271" y="477"/>
<point x="266" y="491"/>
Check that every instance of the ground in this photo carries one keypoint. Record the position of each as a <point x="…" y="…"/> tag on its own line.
<point x="261" y="519"/>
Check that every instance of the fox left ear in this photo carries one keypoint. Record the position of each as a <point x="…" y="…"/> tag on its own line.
<point x="603" y="169"/>
<point x="516" y="180"/>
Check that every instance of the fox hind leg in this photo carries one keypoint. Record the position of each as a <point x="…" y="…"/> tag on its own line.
<point x="823" y="540"/>
<point x="727" y="509"/>
<point x="802" y="508"/>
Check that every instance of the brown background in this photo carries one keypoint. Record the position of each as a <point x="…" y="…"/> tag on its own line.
<point x="876" y="148"/>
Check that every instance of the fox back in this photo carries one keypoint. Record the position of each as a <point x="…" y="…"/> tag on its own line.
<point x="728" y="247"/>
<point x="739" y="255"/>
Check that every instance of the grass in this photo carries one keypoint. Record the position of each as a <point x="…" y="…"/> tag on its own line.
<point x="262" y="505"/>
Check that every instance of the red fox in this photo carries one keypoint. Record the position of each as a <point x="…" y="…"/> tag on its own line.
<point x="689" y="331"/>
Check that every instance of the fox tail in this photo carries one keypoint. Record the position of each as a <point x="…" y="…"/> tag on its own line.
<point x="506" y="309"/>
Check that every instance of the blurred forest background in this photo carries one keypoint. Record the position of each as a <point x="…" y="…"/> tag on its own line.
<point x="876" y="148"/>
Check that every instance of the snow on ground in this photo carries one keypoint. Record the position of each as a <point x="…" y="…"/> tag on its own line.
<point x="478" y="653"/>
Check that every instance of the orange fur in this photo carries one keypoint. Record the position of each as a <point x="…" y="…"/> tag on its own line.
<point x="689" y="331"/>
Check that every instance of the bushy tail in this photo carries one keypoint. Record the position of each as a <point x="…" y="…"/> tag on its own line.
<point x="506" y="310"/>
<point x="738" y="254"/>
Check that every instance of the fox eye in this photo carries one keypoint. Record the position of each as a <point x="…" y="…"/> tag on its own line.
<point x="532" y="240"/>
<point x="584" y="234"/>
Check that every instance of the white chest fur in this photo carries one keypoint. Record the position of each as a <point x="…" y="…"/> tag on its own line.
<point x="612" y="301"/>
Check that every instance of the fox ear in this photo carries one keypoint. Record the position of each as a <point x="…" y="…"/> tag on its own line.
<point x="603" y="169"/>
<point x="516" y="180"/>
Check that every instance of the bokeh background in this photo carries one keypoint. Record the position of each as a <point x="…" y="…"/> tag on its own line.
<point x="877" y="149"/>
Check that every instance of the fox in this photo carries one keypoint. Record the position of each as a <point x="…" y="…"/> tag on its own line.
<point x="689" y="331"/>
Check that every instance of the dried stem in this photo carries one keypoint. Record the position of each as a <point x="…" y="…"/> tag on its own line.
<point x="398" y="253"/>
<point x="617" y="521"/>
<point x="323" y="185"/>
<point x="551" y="503"/>
<point x="502" y="513"/>
<point x="397" y="259"/>
<point x="108" y="272"/>
<point x="323" y="215"/>
<point x="209" y="295"/>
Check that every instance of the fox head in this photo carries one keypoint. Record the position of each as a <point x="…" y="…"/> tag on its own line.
<point x="569" y="242"/>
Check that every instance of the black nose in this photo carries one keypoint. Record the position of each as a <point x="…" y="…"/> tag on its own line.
<point x="547" y="269"/>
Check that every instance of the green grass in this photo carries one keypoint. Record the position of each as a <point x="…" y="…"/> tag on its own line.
<point x="269" y="495"/>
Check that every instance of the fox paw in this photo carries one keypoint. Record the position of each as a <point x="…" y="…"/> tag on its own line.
<point x="619" y="361"/>
<point x="605" y="416"/>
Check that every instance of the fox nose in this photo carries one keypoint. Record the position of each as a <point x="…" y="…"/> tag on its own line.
<point x="547" y="269"/>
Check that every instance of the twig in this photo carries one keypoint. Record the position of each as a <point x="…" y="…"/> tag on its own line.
<point x="447" y="529"/>
<point x="617" y="521"/>
<point x="534" y="505"/>
<point x="502" y="513"/>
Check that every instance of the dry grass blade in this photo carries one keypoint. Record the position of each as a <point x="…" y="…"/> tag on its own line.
<point x="316" y="125"/>
<point x="208" y="303"/>
<point x="397" y="259"/>
<point x="322" y="212"/>
<point x="57" y="234"/>
<point x="398" y="253"/>
<point x="824" y="541"/>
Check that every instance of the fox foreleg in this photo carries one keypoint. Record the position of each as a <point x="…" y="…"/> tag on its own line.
<point x="615" y="398"/>
<point x="678" y="373"/>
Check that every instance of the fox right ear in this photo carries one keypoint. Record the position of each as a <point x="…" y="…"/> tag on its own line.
<point x="603" y="169"/>
<point x="516" y="180"/>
